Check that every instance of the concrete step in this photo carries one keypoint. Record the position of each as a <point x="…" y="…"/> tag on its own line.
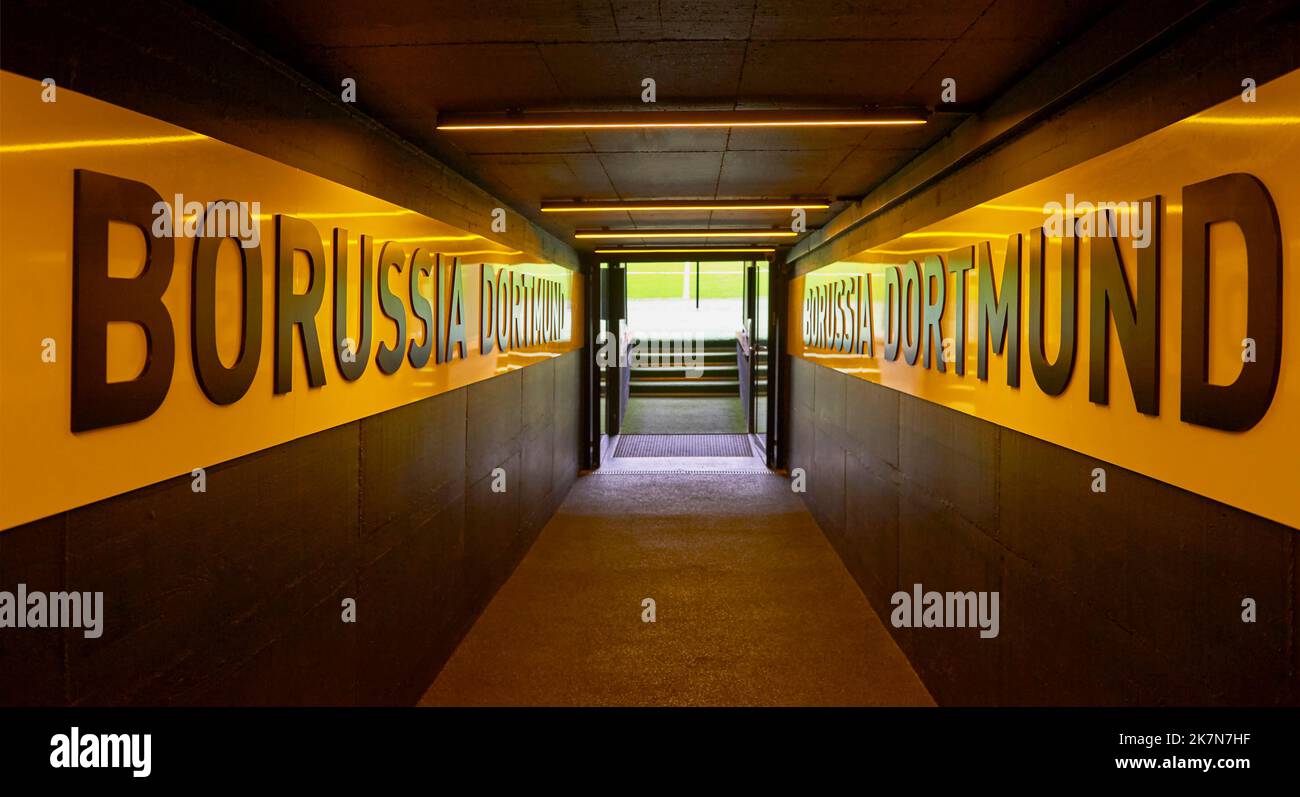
<point x="702" y="372"/>
<point x="679" y="362"/>
<point x="686" y="387"/>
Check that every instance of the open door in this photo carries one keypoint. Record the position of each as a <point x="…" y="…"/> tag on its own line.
<point x="616" y="371"/>
<point x="761" y="345"/>
<point x="753" y="353"/>
<point x="702" y="331"/>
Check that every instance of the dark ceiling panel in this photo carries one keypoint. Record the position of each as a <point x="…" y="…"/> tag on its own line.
<point x="611" y="219"/>
<point x="413" y="59"/>
<point x="687" y="175"/>
<point x="704" y="19"/>
<point x="1034" y="21"/>
<point x="782" y="218"/>
<point x="540" y="176"/>
<point x="785" y="173"/>
<point x="705" y="140"/>
<point x="978" y="60"/>
<point x="864" y="71"/>
<point x="866" y="19"/>
<point x="863" y="169"/>
<point x="459" y="77"/>
<point x="968" y="63"/>
<point x="802" y="138"/>
<point x="636" y="19"/>
<point x="550" y="141"/>
<point x="681" y="70"/>
<point x="347" y="23"/>
<point x="654" y="219"/>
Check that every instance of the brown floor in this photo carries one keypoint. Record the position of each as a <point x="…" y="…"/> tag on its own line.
<point x="753" y="606"/>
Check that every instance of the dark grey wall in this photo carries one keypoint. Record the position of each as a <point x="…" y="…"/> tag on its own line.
<point x="1128" y="597"/>
<point x="233" y="596"/>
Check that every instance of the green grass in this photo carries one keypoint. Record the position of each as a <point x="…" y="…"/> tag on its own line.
<point x="717" y="281"/>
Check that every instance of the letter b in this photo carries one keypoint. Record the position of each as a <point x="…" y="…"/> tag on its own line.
<point x="99" y="299"/>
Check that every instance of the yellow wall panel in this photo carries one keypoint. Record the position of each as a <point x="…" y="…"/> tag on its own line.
<point x="44" y="466"/>
<point x="1256" y="469"/>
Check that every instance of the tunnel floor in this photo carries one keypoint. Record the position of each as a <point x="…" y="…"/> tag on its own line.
<point x="752" y="605"/>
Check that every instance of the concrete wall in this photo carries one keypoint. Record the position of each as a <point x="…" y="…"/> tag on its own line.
<point x="233" y="596"/>
<point x="1128" y="597"/>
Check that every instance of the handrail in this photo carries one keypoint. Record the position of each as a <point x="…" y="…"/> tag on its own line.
<point x="742" y="338"/>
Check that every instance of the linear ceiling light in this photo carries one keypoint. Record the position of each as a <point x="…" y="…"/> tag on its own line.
<point x="700" y="250"/>
<point x="615" y="205"/>
<point x="589" y="234"/>
<point x="630" y="120"/>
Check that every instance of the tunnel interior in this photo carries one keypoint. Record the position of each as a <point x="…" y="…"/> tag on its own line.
<point x="649" y="354"/>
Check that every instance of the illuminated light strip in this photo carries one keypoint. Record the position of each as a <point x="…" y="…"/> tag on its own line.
<point x="680" y="119"/>
<point x="1243" y="121"/>
<point x="1013" y="208"/>
<point x="589" y="234"/>
<point x="485" y="252"/>
<point x="1077" y="210"/>
<point x="89" y="143"/>
<point x="359" y="215"/>
<point x="435" y="238"/>
<point x="678" y="125"/>
<point x="897" y="252"/>
<point x="611" y="207"/>
<point x="677" y="251"/>
<point x="945" y="234"/>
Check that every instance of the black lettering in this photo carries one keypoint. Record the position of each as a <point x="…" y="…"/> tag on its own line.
<point x="456" y="315"/>
<point x="910" y="297"/>
<point x="297" y="310"/>
<point x="220" y="384"/>
<point x="487" y="308"/>
<point x="1053" y="377"/>
<point x="1001" y="319"/>
<point x="959" y="262"/>
<point x="1137" y="326"/>
<point x="359" y="357"/>
<point x="893" y="307"/>
<point x="98" y="299"/>
<point x="934" y="290"/>
<point x="389" y="358"/>
<point x="422" y="264"/>
<point x="1243" y="200"/>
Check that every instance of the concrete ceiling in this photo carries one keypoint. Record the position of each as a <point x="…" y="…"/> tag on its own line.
<point x="413" y="59"/>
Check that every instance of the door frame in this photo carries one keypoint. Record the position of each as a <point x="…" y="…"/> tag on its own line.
<point x="599" y="303"/>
